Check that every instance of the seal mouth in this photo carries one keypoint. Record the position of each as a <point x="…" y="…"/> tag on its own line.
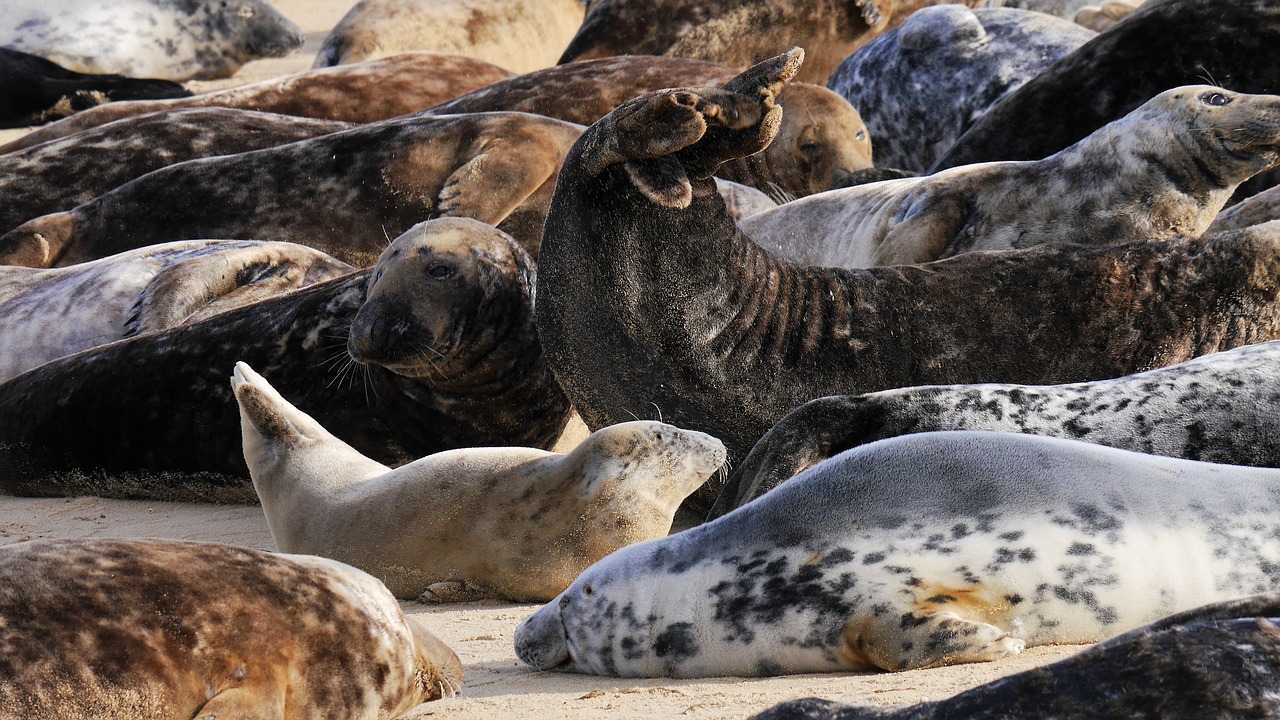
<point x="541" y="641"/>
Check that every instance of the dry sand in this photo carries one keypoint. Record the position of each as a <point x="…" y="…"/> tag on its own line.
<point x="497" y="686"/>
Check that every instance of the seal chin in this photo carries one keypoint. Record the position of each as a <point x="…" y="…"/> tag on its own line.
<point x="541" y="641"/>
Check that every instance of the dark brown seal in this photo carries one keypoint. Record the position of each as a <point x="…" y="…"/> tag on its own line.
<point x="661" y="305"/>
<point x="360" y="93"/>
<point x="1216" y="661"/>
<point x="821" y="142"/>
<point x="433" y="349"/>
<point x="127" y="629"/>
<point x="361" y="187"/>
<point x="59" y="175"/>
<point x="1161" y="45"/>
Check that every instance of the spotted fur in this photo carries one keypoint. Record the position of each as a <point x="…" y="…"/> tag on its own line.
<point x="923" y="550"/>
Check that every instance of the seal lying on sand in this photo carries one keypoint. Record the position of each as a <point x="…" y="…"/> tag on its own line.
<point x="361" y="93"/>
<point x="433" y="349"/>
<point x="957" y="62"/>
<point x="363" y="186"/>
<point x="59" y="175"/>
<point x="520" y="35"/>
<point x="1164" y="169"/>
<point x="661" y="305"/>
<point x="34" y="90"/>
<point x="514" y="523"/>
<point x="947" y="548"/>
<point x="821" y="141"/>
<point x="46" y="314"/>
<point x="1218" y="408"/>
<point x="169" y="39"/>
<point x="1215" y="660"/>
<point x="1161" y="45"/>
<point x="169" y="629"/>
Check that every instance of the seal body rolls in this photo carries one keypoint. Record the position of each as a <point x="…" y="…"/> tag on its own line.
<point x="432" y="349"/>
<point x="125" y="629"/>
<point x="946" y="548"/>
<point x="515" y="523"/>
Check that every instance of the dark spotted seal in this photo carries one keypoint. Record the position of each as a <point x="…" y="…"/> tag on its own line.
<point x="170" y="39"/>
<point x="46" y="314"/>
<point x="918" y="551"/>
<point x="363" y="186"/>
<point x="520" y="35"/>
<point x="514" y="523"/>
<point x="957" y="63"/>
<point x="1216" y="41"/>
<point x="650" y="300"/>
<point x="1213" y="661"/>
<point x="1164" y="169"/>
<point x="34" y="90"/>
<point x="433" y="349"/>
<point x="1219" y="408"/>
<point x="168" y="629"/>
<point x="361" y="93"/>
<point x="61" y="174"/>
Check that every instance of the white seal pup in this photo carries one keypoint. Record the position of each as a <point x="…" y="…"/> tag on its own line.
<point x="169" y="39"/>
<point x="128" y="629"/>
<point x="1165" y="169"/>
<point x="514" y="523"/>
<point x="918" y="551"/>
<point x="48" y="313"/>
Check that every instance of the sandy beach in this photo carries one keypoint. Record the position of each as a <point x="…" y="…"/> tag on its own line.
<point x="497" y="686"/>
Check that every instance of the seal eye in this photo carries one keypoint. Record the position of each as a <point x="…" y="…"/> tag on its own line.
<point x="587" y="589"/>
<point x="1215" y="99"/>
<point x="440" y="271"/>
<point x="860" y="135"/>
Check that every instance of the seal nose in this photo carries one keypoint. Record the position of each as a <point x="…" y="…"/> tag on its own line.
<point x="371" y="337"/>
<point x="540" y="640"/>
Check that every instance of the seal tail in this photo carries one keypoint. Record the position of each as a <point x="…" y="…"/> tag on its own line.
<point x="38" y="243"/>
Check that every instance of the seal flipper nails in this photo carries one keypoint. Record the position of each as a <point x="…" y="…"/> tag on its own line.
<point x="912" y="641"/>
<point x="451" y="591"/>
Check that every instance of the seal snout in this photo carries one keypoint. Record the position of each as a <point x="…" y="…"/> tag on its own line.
<point x="540" y="640"/>
<point x="379" y="335"/>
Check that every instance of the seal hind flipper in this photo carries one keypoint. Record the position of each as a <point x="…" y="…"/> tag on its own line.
<point x="915" y="640"/>
<point x="491" y="185"/>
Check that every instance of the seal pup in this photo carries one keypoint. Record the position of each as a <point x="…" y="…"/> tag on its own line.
<point x="662" y="305"/>
<point x="521" y="35"/>
<point x="363" y="186"/>
<point x="947" y="548"/>
<point x="1215" y="661"/>
<point x="361" y="93"/>
<point x="61" y="174"/>
<point x="821" y="142"/>
<point x="432" y="349"/>
<point x="513" y="523"/>
<point x="1164" y="169"/>
<point x="958" y="62"/>
<point x="34" y="90"/>
<point x="171" y="629"/>
<point x="168" y="39"/>
<point x="1121" y="69"/>
<point x="1218" y="408"/>
<point x="46" y="314"/>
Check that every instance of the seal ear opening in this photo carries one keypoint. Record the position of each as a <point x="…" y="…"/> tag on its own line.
<point x="662" y="180"/>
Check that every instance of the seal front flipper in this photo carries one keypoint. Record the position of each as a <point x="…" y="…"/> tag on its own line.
<point x="452" y="591"/>
<point x="491" y="185"/>
<point x="914" y="640"/>
<point x="243" y="703"/>
<point x="39" y="242"/>
<point x="931" y="227"/>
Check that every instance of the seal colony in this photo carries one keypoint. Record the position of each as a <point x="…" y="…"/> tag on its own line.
<point x="1218" y="408"/>
<point x="948" y="548"/>
<point x="513" y="523"/>
<point x="126" y="629"/>
<point x="663" y="306"/>
<point x="433" y="349"/>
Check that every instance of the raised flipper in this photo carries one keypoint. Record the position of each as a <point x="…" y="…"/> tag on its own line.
<point x="912" y="640"/>
<point x="933" y="225"/>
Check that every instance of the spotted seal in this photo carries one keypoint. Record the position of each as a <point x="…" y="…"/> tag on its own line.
<point x="661" y="305"/>
<point x="958" y="62"/>
<point x="821" y="142"/>
<point x="363" y="186"/>
<point x="1164" y="169"/>
<point x="520" y="35"/>
<point x="169" y="39"/>
<point x="1121" y="69"/>
<point x="360" y="93"/>
<point x="432" y="349"/>
<point x="1217" y="659"/>
<point x="947" y="548"/>
<point x="61" y="174"/>
<point x="46" y="314"/>
<point x="168" y="629"/>
<point x="514" y="523"/>
<point x="1219" y="408"/>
